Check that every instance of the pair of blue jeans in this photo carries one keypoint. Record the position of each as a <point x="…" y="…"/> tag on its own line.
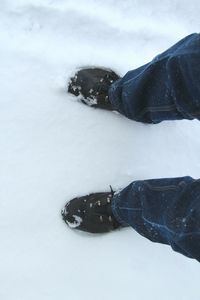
<point x="168" y="88"/>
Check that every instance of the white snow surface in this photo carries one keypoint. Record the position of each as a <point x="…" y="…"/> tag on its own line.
<point x="77" y="222"/>
<point x="54" y="148"/>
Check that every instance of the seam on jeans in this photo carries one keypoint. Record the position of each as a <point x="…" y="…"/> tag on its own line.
<point x="169" y="230"/>
<point x="158" y="225"/>
<point x="165" y="109"/>
<point x="195" y="113"/>
<point x="116" y="214"/>
<point x="189" y="233"/>
<point x="161" y="188"/>
<point x="128" y="208"/>
<point x="157" y="109"/>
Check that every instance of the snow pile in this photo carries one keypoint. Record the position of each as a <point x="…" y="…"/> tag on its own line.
<point x="53" y="149"/>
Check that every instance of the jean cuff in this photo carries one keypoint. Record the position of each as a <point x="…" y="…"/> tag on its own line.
<point x="116" y="211"/>
<point x="113" y="95"/>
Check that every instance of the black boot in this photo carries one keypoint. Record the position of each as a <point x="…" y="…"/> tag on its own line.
<point x="92" y="85"/>
<point x="91" y="213"/>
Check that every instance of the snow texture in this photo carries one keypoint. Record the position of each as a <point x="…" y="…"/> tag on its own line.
<point x="54" y="148"/>
<point x="77" y="222"/>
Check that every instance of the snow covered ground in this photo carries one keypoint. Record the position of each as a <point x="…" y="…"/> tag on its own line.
<point x="53" y="148"/>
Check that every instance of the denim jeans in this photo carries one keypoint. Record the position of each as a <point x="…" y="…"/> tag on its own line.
<point x="168" y="88"/>
<point x="163" y="210"/>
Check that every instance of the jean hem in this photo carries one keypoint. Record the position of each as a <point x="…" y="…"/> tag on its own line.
<point x="113" y="99"/>
<point x="115" y="209"/>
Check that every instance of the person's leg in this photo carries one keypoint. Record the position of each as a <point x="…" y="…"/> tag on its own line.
<point x="164" y="211"/>
<point x="167" y="88"/>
